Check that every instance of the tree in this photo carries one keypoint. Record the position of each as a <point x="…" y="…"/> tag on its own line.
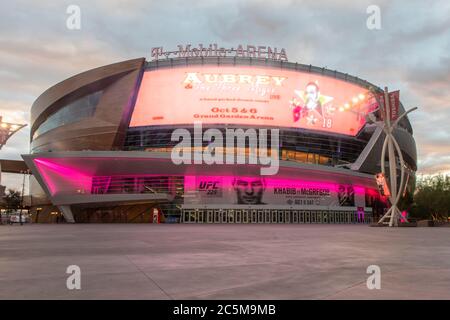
<point x="13" y="199"/>
<point x="432" y="198"/>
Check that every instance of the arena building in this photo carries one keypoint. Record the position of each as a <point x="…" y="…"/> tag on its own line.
<point x="101" y="144"/>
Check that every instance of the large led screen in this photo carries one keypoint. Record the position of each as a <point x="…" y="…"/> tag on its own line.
<point x="249" y="96"/>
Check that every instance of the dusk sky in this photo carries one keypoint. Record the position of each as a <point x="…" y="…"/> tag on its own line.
<point x="411" y="51"/>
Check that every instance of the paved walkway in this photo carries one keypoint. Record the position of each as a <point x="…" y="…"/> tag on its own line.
<point x="136" y="261"/>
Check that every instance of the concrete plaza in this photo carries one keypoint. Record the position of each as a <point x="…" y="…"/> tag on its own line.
<point x="137" y="261"/>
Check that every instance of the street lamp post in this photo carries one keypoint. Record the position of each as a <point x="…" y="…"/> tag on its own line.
<point x="7" y="129"/>
<point x="22" y="195"/>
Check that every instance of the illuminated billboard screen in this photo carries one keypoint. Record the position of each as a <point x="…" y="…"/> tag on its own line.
<point x="249" y="96"/>
<point x="274" y="191"/>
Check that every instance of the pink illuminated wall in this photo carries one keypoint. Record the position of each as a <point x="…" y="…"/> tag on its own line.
<point x="61" y="179"/>
<point x="249" y="96"/>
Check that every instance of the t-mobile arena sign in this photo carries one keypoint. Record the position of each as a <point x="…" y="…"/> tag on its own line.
<point x="213" y="50"/>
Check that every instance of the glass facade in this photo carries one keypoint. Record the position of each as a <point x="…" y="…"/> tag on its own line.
<point x="296" y="145"/>
<point x="79" y="109"/>
<point x="135" y="184"/>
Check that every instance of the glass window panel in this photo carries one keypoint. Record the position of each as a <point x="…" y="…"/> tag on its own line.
<point x="73" y="112"/>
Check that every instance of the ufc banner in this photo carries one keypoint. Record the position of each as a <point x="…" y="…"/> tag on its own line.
<point x="270" y="191"/>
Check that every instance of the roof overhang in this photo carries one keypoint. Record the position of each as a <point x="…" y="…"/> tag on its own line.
<point x="67" y="176"/>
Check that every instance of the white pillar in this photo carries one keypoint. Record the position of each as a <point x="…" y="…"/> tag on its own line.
<point x="67" y="212"/>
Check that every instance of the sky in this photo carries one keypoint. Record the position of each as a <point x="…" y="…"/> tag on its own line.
<point x="410" y="52"/>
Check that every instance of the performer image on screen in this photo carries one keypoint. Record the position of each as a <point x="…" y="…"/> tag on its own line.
<point x="381" y="183"/>
<point x="312" y="95"/>
<point x="249" y="190"/>
<point x="311" y="104"/>
<point x="346" y="196"/>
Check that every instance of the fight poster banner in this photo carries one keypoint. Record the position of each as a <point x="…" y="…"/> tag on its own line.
<point x="270" y="191"/>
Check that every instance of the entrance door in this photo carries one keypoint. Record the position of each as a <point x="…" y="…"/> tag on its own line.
<point x="260" y="216"/>
<point x="348" y="216"/>
<point x="185" y="217"/>
<point x="267" y="216"/>
<point x="209" y="216"/>
<point x="287" y="216"/>
<point x="280" y="216"/>
<point x="302" y="217"/>
<point x="325" y="217"/>
<point x="230" y="216"/>
<point x="200" y="216"/>
<point x="295" y="217"/>
<point x="224" y="216"/>
<point x="318" y="216"/>
<point x="313" y="216"/>
<point x="217" y="216"/>
<point x="331" y="217"/>
<point x="245" y="216"/>
<point x="193" y="216"/>
<point x="238" y="216"/>
<point x="254" y="215"/>
<point x="307" y="217"/>
<point x="274" y="216"/>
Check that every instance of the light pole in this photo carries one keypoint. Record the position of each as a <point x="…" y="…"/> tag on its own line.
<point x="7" y="129"/>
<point x="22" y="195"/>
